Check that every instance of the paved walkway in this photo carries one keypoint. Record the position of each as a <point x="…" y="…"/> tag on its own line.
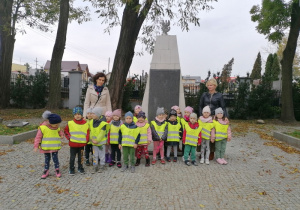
<point x="257" y="177"/>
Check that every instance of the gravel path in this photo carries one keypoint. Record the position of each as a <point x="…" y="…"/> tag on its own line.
<point x="257" y="177"/>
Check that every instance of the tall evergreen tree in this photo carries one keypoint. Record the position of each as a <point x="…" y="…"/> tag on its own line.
<point x="275" y="68"/>
<point x="269" y="66"/>
<point x="256" y="71"/>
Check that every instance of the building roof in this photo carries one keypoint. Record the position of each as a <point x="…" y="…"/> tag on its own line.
<point x="18" y="67"/>
<point x="196" y="78"/>
<point x="66" y="66"/>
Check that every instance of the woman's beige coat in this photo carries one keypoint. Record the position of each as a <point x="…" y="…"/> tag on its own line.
<point x="91" y="98"/>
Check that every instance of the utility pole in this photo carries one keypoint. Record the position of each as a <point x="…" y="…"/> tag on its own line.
<point x="36" y="61"/>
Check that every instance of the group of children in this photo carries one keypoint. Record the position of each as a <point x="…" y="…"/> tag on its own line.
<point x="106" y="137"/>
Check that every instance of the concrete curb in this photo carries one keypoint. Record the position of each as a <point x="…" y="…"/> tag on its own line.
<point x="18" y="137"/>
<point x="288" y="139"/>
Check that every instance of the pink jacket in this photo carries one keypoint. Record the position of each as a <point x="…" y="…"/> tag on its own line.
<point x="225" y="122"/>
<point x="213" y="131"/>
<point x="149" y="134"/>
<point x="39" y="136"/>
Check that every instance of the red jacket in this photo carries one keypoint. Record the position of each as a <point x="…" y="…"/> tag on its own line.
<point x="68" y="135"/>
<point x="193" y="126"/>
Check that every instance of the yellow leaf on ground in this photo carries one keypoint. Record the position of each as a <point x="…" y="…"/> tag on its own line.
<point x="202" y="206"/>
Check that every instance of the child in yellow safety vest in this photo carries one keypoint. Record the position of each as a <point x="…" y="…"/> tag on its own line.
<point x="159" y="134"/>
<point x="129" y="137"/>
<point x="185" y="120"/>
<point x="89" y="146"/>
<point x="191" y="138"/>
<point x="207" y="134"/>
<point x="77" y="132"/>
<point x="108" y="116"/>
<point x="99" y="129"/>
<point x="145" y="140"/>
<point x="179" y="116"/>
<point x="223" y="135"/>
<point x="137" y="109"/>
<point x="174" y="135"/>
<point x="113" y="137"/>
<point x="48" y="139"/>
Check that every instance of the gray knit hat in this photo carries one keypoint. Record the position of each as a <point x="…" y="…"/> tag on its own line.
<point x="89" y="110"/>
<point x="160" y="110"/>
<point x="46" y="115"/>
<point x="129" y="114"/>
<point x="97" y="111"/>
<point x="193" y="115"/>
<point x="219" y="111"/>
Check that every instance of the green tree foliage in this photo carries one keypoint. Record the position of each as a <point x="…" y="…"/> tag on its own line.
<point x="274" y="17"/>
<point x="275" y="68"/>
<point x="256" y="71"/>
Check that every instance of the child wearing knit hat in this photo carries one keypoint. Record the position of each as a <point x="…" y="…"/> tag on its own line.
<point x="174" y="135"/>
<point x="45" y="116"/>
<point x="159" y="134"/>
<point x="129" y="137"/>
<point x="113" y="136"/>
<point x="49" y="130"/>
<point x="207" y="133"/>
<point x="98" y="127"/>
<point x="77" y="132"/>
<point x="108" y="116"/>
<point x="223" y="135"/>
<point x="185" y="120"/>
<point x="89" y="146"/>
<point x="191" y="138"/>
<point x="137" y="109"/>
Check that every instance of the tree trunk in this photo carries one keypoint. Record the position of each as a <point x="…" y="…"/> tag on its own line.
<point x="287" y="111"/>
<point x="7" y="42"/>
<point x="54" y="101"/>
<point x="131" y="25"/>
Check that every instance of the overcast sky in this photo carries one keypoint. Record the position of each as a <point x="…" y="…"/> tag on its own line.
<point x="225" y="32"/>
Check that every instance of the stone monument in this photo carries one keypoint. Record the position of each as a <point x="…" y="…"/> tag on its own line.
<point x="164" y="86"/>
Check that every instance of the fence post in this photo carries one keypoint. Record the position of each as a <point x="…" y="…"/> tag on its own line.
<point x="75" y="84"/>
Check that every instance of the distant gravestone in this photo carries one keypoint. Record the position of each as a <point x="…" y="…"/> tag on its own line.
<point x="17" y="124"/>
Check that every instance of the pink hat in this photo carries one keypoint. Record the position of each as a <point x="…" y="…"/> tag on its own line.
<point x="108" y="114"/>
<point x="137" y="107"/>
<point x="117" y="112"/>
<point x="189" y="109"/>
<point x="175" y="107"/>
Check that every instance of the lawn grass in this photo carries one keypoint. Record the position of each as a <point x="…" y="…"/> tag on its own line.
<point x="295" y="134"/>
<point x="4" y="130"/>
<point x="12" y="114"/>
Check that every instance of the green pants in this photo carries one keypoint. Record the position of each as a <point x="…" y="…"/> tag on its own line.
<point x="190" y="149"/>
<point x="220" y="148"/>
<point x="128" y="152"/>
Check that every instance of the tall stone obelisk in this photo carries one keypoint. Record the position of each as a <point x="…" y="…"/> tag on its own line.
<point x="164" y="86"/>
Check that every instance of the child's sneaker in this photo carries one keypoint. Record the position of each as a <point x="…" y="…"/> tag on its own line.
<point x="119" y="165"/>
<point x="57" y="173"/>
<point x="153" y="162"/>
<point x="45" y="174"/>
<point x="124" y="168"/>
<point x="72" y="172"/>
<point x="202" y="160"/>
<point x="187" y="162"/>
<point x="224" y="161"/>
<point x="132" y="169"/>
<point x="81" y="170"/>
<point x="138" y="161"/>
<point x="168" y="159"/>
<point x="112" y="163"/>
<point x="162" y="161"/>
<point x="147" y="162"/>
<point x="207" y="161"/>
<point x="219" y="160"/>
<point x="194" y="163"/>
<point x="87" y="163"/>
<point x="175" y="159"/>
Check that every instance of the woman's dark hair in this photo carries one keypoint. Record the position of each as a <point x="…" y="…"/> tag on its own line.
<point x="97" y="77"/>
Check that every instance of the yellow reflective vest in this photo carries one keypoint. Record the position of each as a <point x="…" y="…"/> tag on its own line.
<point x="51" y="139"/>
<point x="221" y="130"/>
<point x="206" y="129"/>
<point x="114" y="134"/>
<point x="144" y="134"/>
<point x="160" y="129"/>
<point x="173" y="132"/>
<point x="96" y="132"/>
<point x="183" y="122"/>
<point x="129" y="135"/>
<point x="78" y="132"/>
<point x="192" y="135"/>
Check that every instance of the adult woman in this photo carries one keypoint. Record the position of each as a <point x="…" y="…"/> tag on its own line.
<point x="214" y="100"/>
<point x="97" y="95"/>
